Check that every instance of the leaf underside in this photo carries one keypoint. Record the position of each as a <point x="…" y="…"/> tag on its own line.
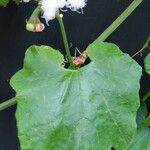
<point x="92" y="108"/>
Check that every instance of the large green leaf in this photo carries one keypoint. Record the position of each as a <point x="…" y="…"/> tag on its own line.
<point x="92" y="108"/>
<point x="4" y="3"/>
<point x="147" y="63"/>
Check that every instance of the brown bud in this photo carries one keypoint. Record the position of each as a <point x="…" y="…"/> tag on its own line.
<point x="80" y="60"/>
<point x="39" y="27"/>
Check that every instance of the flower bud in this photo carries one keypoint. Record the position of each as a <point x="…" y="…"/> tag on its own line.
<point x="30" y="27"/>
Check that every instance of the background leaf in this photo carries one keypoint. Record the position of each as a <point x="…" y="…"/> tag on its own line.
<point x="141" y="140"/>
<point x="147" y="121"/>
<point x="93" y="107"/>
<point x="17" y="1"/>
<point x="141" y="114"/>
<point x="4" y="3"/>
<point x="147" y="63"/>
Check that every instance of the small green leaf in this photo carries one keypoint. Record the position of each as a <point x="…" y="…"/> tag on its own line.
<point x="147" y="63"/>
<point x="92" y="108"/>
<point x="141" y="140"/>
<point x="4" y="3"/>
<point x="147" y="43"/>
<point x="141" y="114"/>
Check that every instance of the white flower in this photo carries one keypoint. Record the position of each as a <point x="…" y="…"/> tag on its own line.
<point x="26" y="1"/>
<point x="50" y="7"/>
<point x="76" y="4"/>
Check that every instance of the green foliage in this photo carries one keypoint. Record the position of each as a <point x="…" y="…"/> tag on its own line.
<point x="92" y="108"/>
<point x="141" y="114"/>
<point x="147" y="121"/>
<point x="147" y="63"/>
<point x="4" y="3"/>
<point x="147" y="43"/>
<point x="17" y="1"/>
<point x="147" y="68"/>
<point x="141" y="140"/>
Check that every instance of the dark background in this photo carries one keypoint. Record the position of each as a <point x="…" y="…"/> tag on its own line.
<point x="81" y="30"/>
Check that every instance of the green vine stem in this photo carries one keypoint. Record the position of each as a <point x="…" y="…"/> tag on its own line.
<point x="119" y="20"/>
<point x="8" y="104"/>
<point x="102" y="37"/>
<point x="63" y="32"/>
<point x="146" y="96"/>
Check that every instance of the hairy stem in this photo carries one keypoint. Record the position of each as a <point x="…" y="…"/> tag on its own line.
<point x="138" y="52"/>
<point x="146" y="45"/>
<point x="8" y="104"/>
<point x="119" y="20"/>
<point x="63" y="32"/>
<point x="146" y="96"/>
